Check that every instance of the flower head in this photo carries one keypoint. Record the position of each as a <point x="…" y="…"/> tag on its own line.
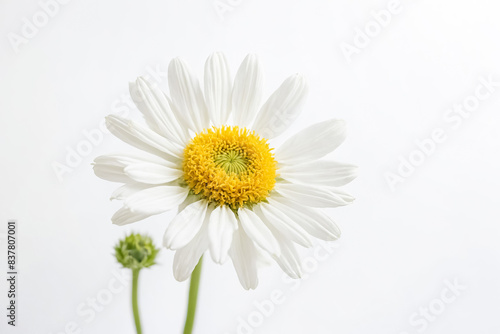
<point x="229" y="166"/>
<point x="210" y="155"/>
<point x="136" y="252"/>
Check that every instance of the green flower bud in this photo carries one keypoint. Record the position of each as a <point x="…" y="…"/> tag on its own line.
<point x="136" y="252"/>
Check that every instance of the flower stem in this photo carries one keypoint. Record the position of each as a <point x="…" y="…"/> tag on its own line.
<point x="193" y="297"/>
<point x="135" y="306"/>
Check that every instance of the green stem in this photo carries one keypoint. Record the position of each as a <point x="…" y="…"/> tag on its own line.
<point x="135" y="306"/>
<point x="193" y="297"/>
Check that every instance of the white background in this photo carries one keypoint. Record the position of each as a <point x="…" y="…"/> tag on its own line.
<point x="399" y="245"/>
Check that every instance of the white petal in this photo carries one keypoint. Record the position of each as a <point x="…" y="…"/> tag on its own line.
<point x="289" y="260"/>
<point x="315" y="196"/>
<point x="244" y="254"/>
<point x="186" y="258"/>
<point x="111" y="167"/>
<point x="258" y="231"/>
<point x="283" y="224"/>
<point x="124" y="216"/>
<point x="247" y="91"/>
<point x="185" y="225"/>
<point x="128" y="189"/>
<point x="328" y="173"/>
<point x="186" y="95"/>
<point x="218" y="88"/>
<point x="221" y="227"/>
<point x="190" y="199"/>
<point x="184" y="121"/>
<point x="282" y="108"/>
<point x="155" y="107"/>
<point x="111" y="173"/>
<point x="152" y="173"/>
<point x="314" y="221"/>
<point x="156" y="199"/>
<point x="312" y="143"/>
<point x="142" y="138"/>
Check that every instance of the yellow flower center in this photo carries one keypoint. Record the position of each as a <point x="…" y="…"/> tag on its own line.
<point x="229" y="166"/>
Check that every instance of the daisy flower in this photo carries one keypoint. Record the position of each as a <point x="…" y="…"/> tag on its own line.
<point x="207" y="154"/>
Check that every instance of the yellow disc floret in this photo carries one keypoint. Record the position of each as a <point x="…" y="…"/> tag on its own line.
<point x="229" y="166"/>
